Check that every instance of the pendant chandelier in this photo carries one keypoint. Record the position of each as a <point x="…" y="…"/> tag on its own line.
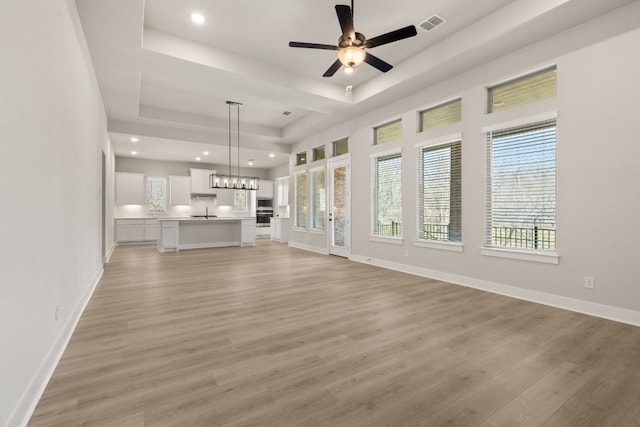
<point x="230" y="181"/>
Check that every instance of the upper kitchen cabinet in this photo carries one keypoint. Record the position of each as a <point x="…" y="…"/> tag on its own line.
<point x="265" y="190"/>
<point x="200" y="181"/>
<point x="179" y="190"/>
<point x="129" y="188"/>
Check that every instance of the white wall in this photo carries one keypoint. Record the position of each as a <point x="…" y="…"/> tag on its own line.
<point x="52" y="134"/>
<point x="597" y="178"/>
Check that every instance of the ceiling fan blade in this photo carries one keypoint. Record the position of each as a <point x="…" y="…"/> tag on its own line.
<point x="313" y="45"/>
<point x="378" y="63"/>
<point x="346" y="21"/>
<point x="393" y="36"/>
<point x="332" y="70"/>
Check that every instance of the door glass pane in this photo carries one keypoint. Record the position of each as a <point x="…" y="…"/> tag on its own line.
<point x="339" y="206"/>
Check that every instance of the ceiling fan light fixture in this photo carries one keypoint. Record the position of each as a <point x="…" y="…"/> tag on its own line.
<point x="352" y="56"/>
<point x="348" y="70"/>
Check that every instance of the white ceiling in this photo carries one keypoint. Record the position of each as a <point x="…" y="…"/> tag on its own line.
<point x="165" y="80"/>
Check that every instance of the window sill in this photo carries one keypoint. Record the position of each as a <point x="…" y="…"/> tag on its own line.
<point x="316" y="231"/>
<point x="533" y="256"/>
<point x="300" y="229"/>
<point x="444" y="246"/>
<point x="386" y="239"/>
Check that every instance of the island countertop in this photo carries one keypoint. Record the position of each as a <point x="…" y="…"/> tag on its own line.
<point x="179" y="233"/>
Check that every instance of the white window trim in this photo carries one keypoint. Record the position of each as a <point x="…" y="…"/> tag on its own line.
<point x="375" y="237"/>
<point x="434" y="244"/>
<point x="390" y="152"/>
<point x="440" y="245"/>
<point x="519" y="254"/>
<point x="432" y="142"/>
<point x="386" y="239"/>
<point x="522" y="121"/>
<point x="310" y="201"/>
<point x="295" y="199"/>
<point x="515" y="253"/>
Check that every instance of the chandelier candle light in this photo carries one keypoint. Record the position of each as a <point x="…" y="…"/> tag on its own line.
<point x="234" y="182"/>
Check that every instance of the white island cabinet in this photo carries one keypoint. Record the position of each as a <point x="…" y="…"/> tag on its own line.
<point x="195" y="233"/>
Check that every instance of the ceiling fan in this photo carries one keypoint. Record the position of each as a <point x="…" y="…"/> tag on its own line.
<point x="351" y="45"/>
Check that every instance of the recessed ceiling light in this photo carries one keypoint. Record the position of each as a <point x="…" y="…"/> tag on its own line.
<point x="133" y="153"/>
<point x="198" y="18"/>
<point x="197" y="159"/>
<point x="272" y="155"/>
<point x="134" y="139"/>
<point x="206" y="153"/>
<point x="250" y="162"/>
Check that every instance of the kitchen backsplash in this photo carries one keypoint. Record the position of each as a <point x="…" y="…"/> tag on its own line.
<point x="198" y="207"/>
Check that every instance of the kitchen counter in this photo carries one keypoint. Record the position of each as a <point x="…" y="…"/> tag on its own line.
<point x="179" y="233"/>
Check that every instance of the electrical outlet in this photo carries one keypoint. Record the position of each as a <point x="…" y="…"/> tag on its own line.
<point x="589" y="282"/>
<point x="57" y="312"/>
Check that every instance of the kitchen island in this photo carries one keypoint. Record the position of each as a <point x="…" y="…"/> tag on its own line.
<point x="175" y="234"/>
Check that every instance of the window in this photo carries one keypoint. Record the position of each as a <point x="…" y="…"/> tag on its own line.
<point x="442" y="115"/>
<point x="389" y="132"/>
<point x="318" y="199"/>
<point x="301" y="158"/>
<point x="387" y="194"/>
<point x="521" y="187"/>
<point x="524" y="90"/>
<point x="301" y="199"/>
<point x="156" y="195"/>
<point x="439" y="192"/>
<point x="318" y="153"/>
<point x="341" y="146"/>
<point x="240" y="200"/>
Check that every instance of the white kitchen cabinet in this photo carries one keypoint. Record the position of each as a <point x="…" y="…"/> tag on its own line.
<point x="280" y="229"/>
<point x="136" y="230"/>
<point x="168" y="236"/>
<point x="200" y="181"/>
<point x="129" y="188"/>
<point x="179" y="190"/>
<point x="282" y="191"/>
<point x="248" y="232"/>
<point x="150" y="229"/>
<point x="265" y="190"/>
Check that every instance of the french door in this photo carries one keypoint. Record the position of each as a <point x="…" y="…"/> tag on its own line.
<point x="339" y="206"/>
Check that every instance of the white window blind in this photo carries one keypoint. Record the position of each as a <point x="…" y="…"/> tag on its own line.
<point x="524" y="90"/>
<point x="521" y="187"/>
<point x="442" y="115"/>
<point x="318" y="199"/>
<point x="387" y="195"/>
<point x="439" y="192"/>
<point x="301" y="200"/>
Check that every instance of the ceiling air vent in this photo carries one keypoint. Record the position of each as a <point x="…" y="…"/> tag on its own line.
<point x="433" y="22"/>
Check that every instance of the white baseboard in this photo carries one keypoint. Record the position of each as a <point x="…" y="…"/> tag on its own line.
<point x="322" y="251"/>
<point x="108" y="256"/>
<point x="586" y="307"/>
<point x="29" y="400"/>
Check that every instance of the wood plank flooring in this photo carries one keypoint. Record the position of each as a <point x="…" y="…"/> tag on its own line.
<point x="275" y="336"/>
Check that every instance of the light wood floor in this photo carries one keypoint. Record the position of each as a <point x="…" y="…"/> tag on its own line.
<point x="275" y="336"/>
